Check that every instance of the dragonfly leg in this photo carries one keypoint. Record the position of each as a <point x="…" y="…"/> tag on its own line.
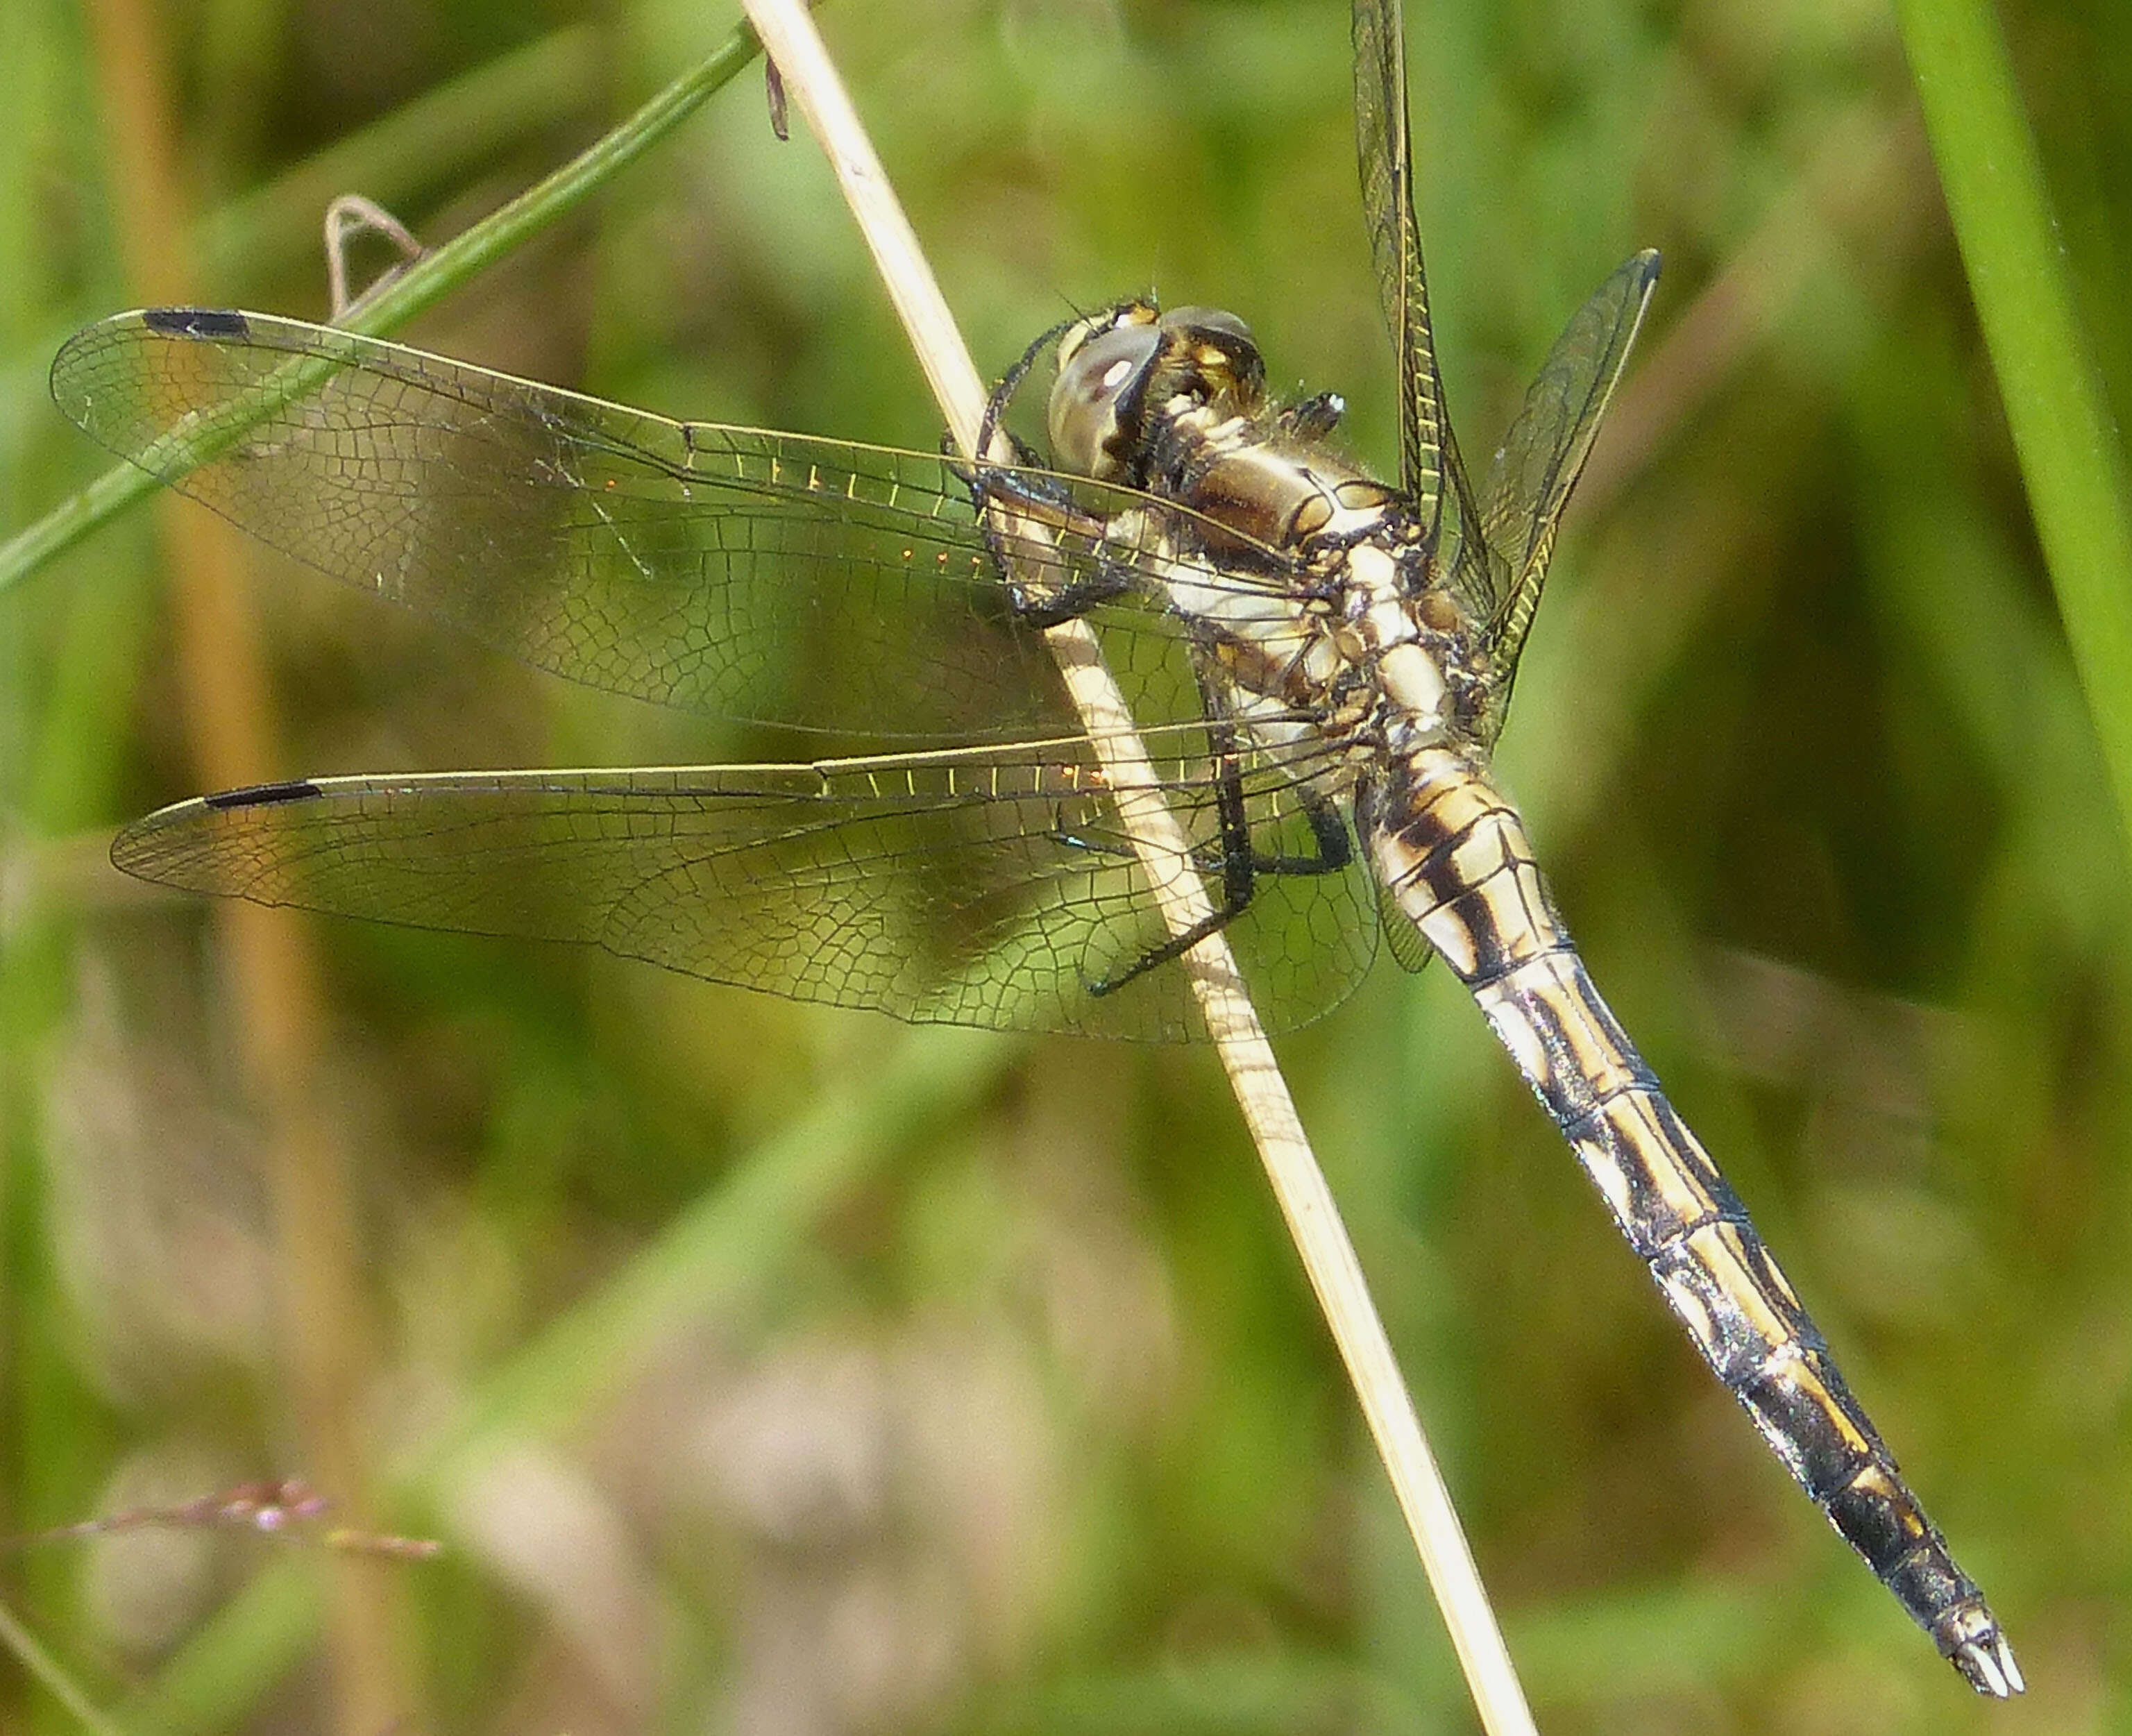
<point x="1315" y="418"/>
<point x="1176" y="946"/>
<point x="1333" y="846"/>
<point x="1002" y="492"/>
<point x="1334" y="851"/>
<point x="1023" y="479"/>
<point x="1011" y="384"/>
<point x="1240" y="866"/>
<point x="1002" y="497"/>
<point x="1107" y="584"/>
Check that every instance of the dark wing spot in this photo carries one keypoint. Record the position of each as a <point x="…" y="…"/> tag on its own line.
<point x="264" y="795"/>
<point x="196" y="322"/>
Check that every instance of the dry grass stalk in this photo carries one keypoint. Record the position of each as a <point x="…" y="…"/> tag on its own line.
<point x="1305" y="1200"/>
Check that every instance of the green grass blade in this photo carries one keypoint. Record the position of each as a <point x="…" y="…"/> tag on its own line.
<point x="37" y="1661"/>
<point x="426" y="282"/>
<point x="479" y="111"/>
<point x="2070" y="454"/>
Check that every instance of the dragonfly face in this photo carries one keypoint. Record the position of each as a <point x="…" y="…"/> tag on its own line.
<point x="1113" y="367"/>
<point x="1319" y="662"/>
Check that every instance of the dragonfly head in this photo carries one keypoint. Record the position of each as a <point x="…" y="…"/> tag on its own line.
<point x="1115" y="365"/>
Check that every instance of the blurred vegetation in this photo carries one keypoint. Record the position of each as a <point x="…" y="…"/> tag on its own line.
<point x="771" y="1369"/>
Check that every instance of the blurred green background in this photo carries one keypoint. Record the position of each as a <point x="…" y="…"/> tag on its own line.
<point x="770" y="1369"/>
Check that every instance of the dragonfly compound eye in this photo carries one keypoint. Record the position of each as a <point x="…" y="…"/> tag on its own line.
<point x="1096" y="378"/>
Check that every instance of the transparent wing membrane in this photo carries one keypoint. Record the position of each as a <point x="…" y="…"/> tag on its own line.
<point x="729" y="570"/>
<point x="989" y="887"/>
<point x="1544" y="452"/>
<point x="1384" y="154"/>
<point x="1430" y="469"/>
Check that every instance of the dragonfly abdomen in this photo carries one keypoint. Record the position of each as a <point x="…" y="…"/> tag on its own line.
<point x="1453" y="852"/>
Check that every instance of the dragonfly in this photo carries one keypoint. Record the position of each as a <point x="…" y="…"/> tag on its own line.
<point x="1318" y="662"/>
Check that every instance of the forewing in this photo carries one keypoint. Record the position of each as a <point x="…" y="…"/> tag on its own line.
<point x="1544" y="452"/>
<point x="725" y="570"/>
<point x="1430" y="470"/>
<point x="988" y="887"/>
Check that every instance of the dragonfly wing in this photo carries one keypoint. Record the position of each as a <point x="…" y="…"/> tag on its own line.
<point x="1544" y="452"/>
<point x="989" y="886"/>
<point x="731" y="571"/>
<point x="1409" y="948"/>
<point x="1430" y="470"/>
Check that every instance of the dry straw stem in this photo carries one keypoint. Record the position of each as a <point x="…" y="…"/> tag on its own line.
<point x="789" y="36"/>
<point x="325" y="1340"/>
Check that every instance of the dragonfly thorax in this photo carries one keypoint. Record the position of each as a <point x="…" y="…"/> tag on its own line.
<point x="1174" y="404"/>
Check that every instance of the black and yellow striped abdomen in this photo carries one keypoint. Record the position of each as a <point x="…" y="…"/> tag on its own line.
<point x="1454" y="854"/>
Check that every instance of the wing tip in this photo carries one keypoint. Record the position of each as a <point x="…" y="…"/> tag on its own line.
<point x="175" y="846"/>
<point x="1643" y="268"/>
